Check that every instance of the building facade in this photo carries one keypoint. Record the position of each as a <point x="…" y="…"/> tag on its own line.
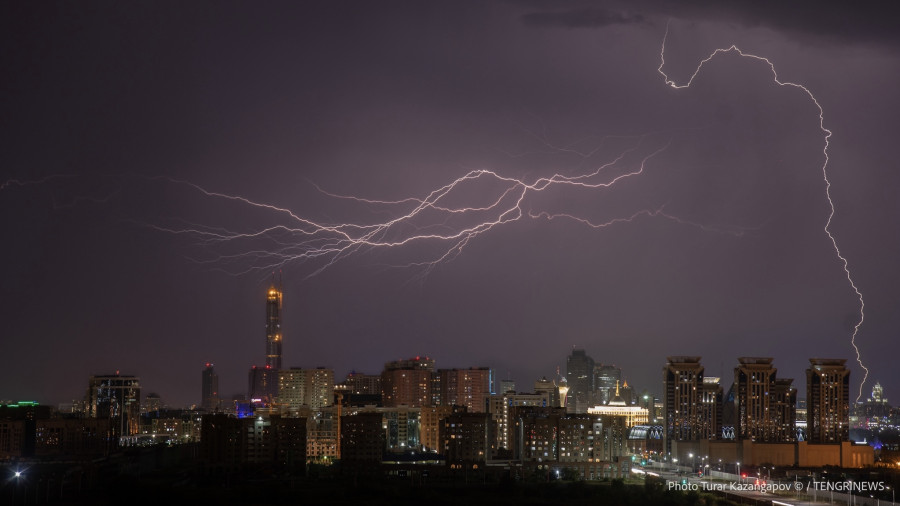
<point x="117" y="398"/>
<point x="755" y="391"/>
<point x="580" y="380"/>
<point x="409" y="383"/>
<point x="466" y="387"/>
<point x="273" y="327"/>
<point x="683" y="400"/>
<point x="466" y="438"/>
<point x="605" y="379"/>
<point x="313" y="388"/>
<point x="828" y="400"/>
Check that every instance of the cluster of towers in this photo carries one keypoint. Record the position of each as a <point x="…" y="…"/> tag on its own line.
<point x="759" y="406"/>
<point x="589" y="384"/>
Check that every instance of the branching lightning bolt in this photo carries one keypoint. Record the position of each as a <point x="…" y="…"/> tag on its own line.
<point x="305" y="239"/>
<point x="827" y="135"/>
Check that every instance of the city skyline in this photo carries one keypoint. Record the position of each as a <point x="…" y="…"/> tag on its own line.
<point x="134" y="135"/>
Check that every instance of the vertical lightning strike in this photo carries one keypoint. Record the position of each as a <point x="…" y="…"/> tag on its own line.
<point x="827" y="135"/>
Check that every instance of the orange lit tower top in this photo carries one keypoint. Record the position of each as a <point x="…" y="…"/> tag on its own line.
<point x="273" y="327"/>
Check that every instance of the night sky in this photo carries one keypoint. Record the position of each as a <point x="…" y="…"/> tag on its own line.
<point x="126" y="126"/>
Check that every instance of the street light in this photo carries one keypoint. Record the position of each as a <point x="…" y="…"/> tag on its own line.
<point x="17" y="475"/>
<point x="691" y="455"/>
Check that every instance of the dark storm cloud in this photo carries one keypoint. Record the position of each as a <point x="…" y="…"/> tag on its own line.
<point x="820" y="22"/>
<point x="841" y="22"/>
<point x="582" y="18"/>
<point x="388" y="100"/>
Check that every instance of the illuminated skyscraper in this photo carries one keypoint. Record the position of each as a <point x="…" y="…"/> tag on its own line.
<point x="828" y="400"/>
<point x="263" y="381"/>
<point x="273" y="327"/>
<point x="763" y="405"/>
<point x="686" y="405"/>
<point x="784" y="409"/>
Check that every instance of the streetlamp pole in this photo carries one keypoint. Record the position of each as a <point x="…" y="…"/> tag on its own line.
<point x="18" y="476"/>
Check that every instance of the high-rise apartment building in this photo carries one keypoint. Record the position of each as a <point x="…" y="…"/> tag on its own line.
<point x="683" y="400"/>
<point x="431" y="419"/>
<point x="305" y="387"/>
<point x="784" y="409"/>
<point x="402" y="427"/>
<point x="209" y="395"/>
<point x="500" y="406"/>
<point x="551" y="434"/>
<point x="755" y="407"/>
<point x="534" y="433"/>
<point x="467" y="438"/>
<point x="409" y="383"/>
<point x="362" y="438"/>
<point x="828" y="400"/>
<point x="363" y="384"/>
<point x="466" y="387"/>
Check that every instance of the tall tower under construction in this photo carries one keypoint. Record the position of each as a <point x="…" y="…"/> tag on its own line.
<point x="263" y="381"/>
<point x="273" y="327"/>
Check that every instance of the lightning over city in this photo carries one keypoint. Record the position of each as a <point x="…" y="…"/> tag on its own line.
<point x="331" y="242"/>
<point x="355" y="226"/>
<point x="826" y="136"/>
